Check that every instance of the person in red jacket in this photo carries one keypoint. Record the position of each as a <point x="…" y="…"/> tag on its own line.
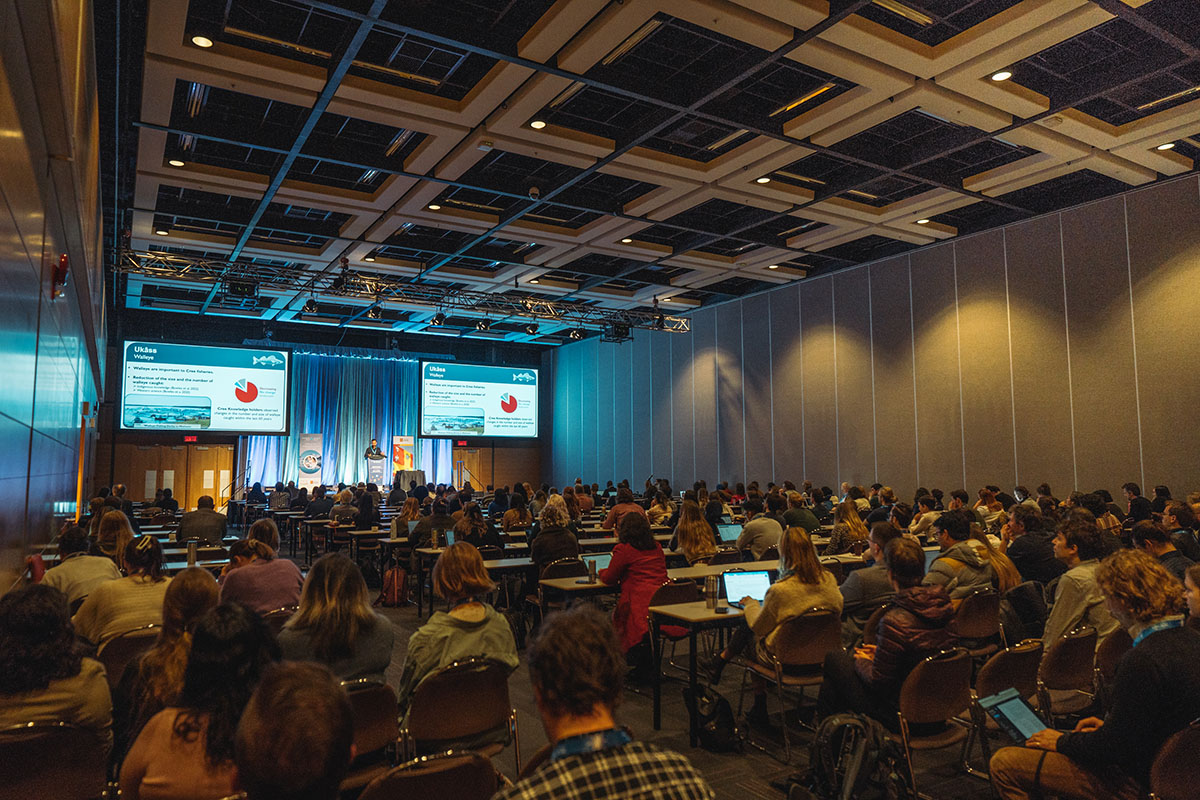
<point x="639" y="567"/>
<point x="915" y="626"/>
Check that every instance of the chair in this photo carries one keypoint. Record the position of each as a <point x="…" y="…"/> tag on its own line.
<point x="53" y="760"/>
<point x="459" y="775"/>
<point x="491" y="553"/>
<point x="1015" y="667"/>
<point x="1108" y="655"/>
<point x="770" y="554"/>
<point x="836" y="569"/>
<point x="1068" y="669"/>
<point x="123" y="648"/>
<point x="1173" y="773"/>
<point x="679" y="591"/>
<point x="797" y="650"/>
<point x="978" y="620"/>
<point x="376" y="731"/>
<point x="726" y="557"/>
<point x="279" y="616"/>
<point x="872" y="623"/>
<point x="536" y="760"/>
<point x="464" y="702"/>
<point x="562" y="568"/>
<point x="162" y="519"/>
<point x="937" y="691"/>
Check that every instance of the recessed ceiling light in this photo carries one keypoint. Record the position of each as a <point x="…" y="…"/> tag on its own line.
<point x="1165" y="146"/>
<point x="626" y="241"/>
<point x="922" y="222"/>
<point x="434" y="207"/>
<point x="160" y="232"/>
<point x="537" y="124"/>
<point x="763" y="180"/>
<point x="369" y="258"/>
<point x="1002" y="75"/>
<point x="773" y="266"/>
<point x="533" y="280"/>
<point x="175" y="162"/>
<point x="202" y="41"/>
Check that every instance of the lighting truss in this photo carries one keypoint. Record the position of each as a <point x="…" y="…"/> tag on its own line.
<point x="374" y="287"/>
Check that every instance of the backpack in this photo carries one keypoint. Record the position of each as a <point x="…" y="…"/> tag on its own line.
<point x="852" y="756"/>
<point x="718" y="728"/>
<point x="395" y="588"/>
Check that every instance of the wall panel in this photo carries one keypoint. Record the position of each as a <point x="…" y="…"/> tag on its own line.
<point x="643" y="408"/>
<point x="891" y="324"/>
<point x="662" y="461"/>
<point x="819" y="376"/>
<point x="704" y="378"/>
<point x="683" y="451"/>
<point x="855" y="387"/>
<point x="606" y="393"/>
<point x="757" y="368"/>
<point x="786" y="384"/>
<point x="624" y="444"/>
<point x="589" y="409"/>
<point x="730" y="397"/>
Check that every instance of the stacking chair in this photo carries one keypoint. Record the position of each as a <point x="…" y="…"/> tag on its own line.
<point x="1068" y="670"/>
<point x="836" y="569"/>
<point x="770" y="554"/>
<point x="123" y="648"/>
<point x="51" y="760"/>
<point x="670" y="593"/>
<point x="1108" y="655"/>
<point x="978" y="621"/>
<point x="937" y="690"/>
<point x="872" y="623"/>
<point x="279" y="616"/>
<point x="491" y="553"/>
<point x="1173" y="773"/>
<point x="462" y="705"/>
<point x="562" y="568"/>
<point x="376" y="731"/>
<point x="447" y="776"/>
<point x="1015" y="667"/>
<point x="797" y="650"/>
<point x="726" y="557"/>
<point x="536" y="760"/>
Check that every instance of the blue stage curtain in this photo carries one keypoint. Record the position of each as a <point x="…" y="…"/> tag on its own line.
<point x="350" y="400"/>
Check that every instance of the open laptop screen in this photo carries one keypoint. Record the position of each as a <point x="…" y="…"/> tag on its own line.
<point x="602" y="559"/>
<point x="1013" y="714"/>
<point x="746" y="584"/>
<point x="728" y="533"/>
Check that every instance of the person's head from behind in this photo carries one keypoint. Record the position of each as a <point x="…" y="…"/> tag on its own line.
<point x="1094" y="503"/>
<point x="144" y="556"/>
<point x="73" y="540"/>
<point x="752" y="507"/>
<point x="231" y="648"/>
<point x="624" y="495"/>
<point x="205" y="501"/>
<point x="241" y="553"/>
<point x="798" y="557"/>
<point x="334" y="606"/>
<point x="634" y="530"/>
<point x="459" y="573"/>
<point x="554" y="513"/>
<point x="1078" y="539"/>
<point x="190" y="595"/>
<point x="345" y="497"/>
<point x="263" y="538"/>
<point x="952" y="526"/>
<point x="37" y="640"/>
<point x="1138" y="589"/>
<point x="439" y="507"/>
<point x="517" y="504"/>
<point x="905" y="562"/>
<point x="577" y="670"/>
<point x="714" y="510"/>
<point x="1024" y="520"/>
<point x="1131" y="490"/>
<point x="114" y="532"/>
<point x="295" y="740"/>
<point x="1149" y="536"/>
<point x="877" y="539"/>
<point x="900" y="515"/>
<point x="958" y="499"/>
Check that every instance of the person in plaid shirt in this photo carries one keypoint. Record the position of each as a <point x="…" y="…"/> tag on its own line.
<point x="576" y="667"/>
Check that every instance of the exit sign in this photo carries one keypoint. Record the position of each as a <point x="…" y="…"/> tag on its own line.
<point x="461" y="443"/>
<point x="189" y="439"/>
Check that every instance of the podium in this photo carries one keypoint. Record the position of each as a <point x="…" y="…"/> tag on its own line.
<point x="377" y="470"/>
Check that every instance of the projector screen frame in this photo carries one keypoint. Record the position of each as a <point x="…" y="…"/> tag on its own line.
<point x="287" y="406"/>
<point x="477" y="439"/>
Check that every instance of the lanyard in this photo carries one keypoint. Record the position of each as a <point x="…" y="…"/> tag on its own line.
<point x="466" y="601"/>
<point x="1161" y="625"/>
<point x="589" y="743"/>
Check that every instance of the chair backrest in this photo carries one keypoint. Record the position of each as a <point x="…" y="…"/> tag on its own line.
<point x="770" y="554"/>
<point x="53" y="760"/>
<point x="726" y="557"/>
<point x="536" y="760"/>
<point x="460" y="775"/>
<point x="835" y="569"/>
<point x="491" y="553"/>
<point x="460" y="701"/>
<point x="938" y="688"/>
<point x="279" y="616"/>
<point x="805" y="640"/>
<point x="1069" y="661"/>
<point x="978" y="617"/>
<point x="1109" y="654"/>
<point x="1173" y="773"/>
<point x="123" y="648"/>
<point x="565" y="568"/>
<point x="1014" y="668"/>
<point x="672" y="592"/>
<point x="375" y="713"/>
<point x="162" y="519"/>
<point x="872" y="623"/>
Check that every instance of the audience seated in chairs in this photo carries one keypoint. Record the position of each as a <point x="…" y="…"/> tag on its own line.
<point x="186" y="750"/>
<point x="470" y="628"/>
<point x="848" y="528"/>
<point x="693" y="535"/>
<point x="1154" y="539"/>
<point x="1077" y="597"/>
<point x="1029" y="545"/>
<point x="113" y="534"/>
<point x="368" y="513"/>
<point x="280" y="499"/>
<point x="576" y="669"/>
<point x="335" y="624"/>
<point x="319" y="506"/>
<point x="78" y="573"/>
<point x="865" y="588"/>
<point x="760" y="532"/>
<point x="474" y="529"/>
<point x="625" y="505"/>
<point x="517" y="518"/>
<point x="295" y="739"/>
<point x="45" y="675"/>
<point x="914" y="626"/>
<point x="803" y="584"/>
<point x="554" y="539"/>
<point x="153" y="680"/>
<point x="1157" y="692"/>
<point x="266" y="582"/>
<point x="639" y="567"/>
<point x="134" y="601"/>
<point x="345" y="511"/>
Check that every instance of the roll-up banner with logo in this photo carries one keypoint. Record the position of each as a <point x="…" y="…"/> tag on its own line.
<point x="310" y="460"/>
<point x="403" y="456"/>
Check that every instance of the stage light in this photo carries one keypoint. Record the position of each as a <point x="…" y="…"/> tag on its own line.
<point x="627" y="241"/>
<point x="575" y="333"/>
<point x="483" y="325"/>
<point x="773" y="266"/>
<point x="1002" y="75"/>
<point x="161" y="232"/>
<point x="202" y="41"/>
<point x="531" y="328"/>
<point x="438" y="319"/>
<point x="922" y="222"/>
<point x="533" y="280"/>
<point x="1165" y="146"/>
<point x="374" y="312"/>
<point x="537" y="124"/>
<point x="175" y="162"/>
<point x="660" y="322"/>
<point x="310" y="307"/>
<point x="369" y="259"/>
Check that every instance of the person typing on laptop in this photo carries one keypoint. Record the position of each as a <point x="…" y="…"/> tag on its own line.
<point x="803" y="584"/>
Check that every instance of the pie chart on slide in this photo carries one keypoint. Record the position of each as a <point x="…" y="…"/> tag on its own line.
<point x="508" y="403"/>
<point x="247" y="391"/>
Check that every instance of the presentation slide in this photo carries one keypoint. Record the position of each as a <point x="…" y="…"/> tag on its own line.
<point x="468" y="400"/>
<point x="204" y="388"/>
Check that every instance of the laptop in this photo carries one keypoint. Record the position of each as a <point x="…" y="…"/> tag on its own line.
<point x="602" y="560"/>
<point x="726" y="518"/>
<point x="931" y="555"/>
<point x="1013" y="714"/>
<point x="412" y="524"/>
<point x="746" y="584"/>
<point x="728" y="532"/>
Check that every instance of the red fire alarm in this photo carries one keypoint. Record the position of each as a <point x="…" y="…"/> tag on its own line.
<point x="58" y="278"/>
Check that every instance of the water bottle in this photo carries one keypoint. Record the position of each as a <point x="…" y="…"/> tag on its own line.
<point x="591" y="570"/>
<point x="712" y="590"/>
<point x="193" y="547"/>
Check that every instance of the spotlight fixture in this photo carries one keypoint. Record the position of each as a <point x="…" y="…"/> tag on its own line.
<point x="202" y="41"/>
<point x="627" y="241"/>
<point x="374" y="312"/>
<point x="310" y="307"/>
<point x="531" y="328"/>
<point x="1165" y="146"/>
<point x="660" y="322"/>
<point x="434" y="207"/>
<point x="438" y="319"/>
<point x="533" y="280"/>
<point x="575" y="333"/>
<point x="483" y="325"/>
<point x="763" y="179"/>
<point x="175" y="162"/>
<point x="922" y="222"/>
<point x="161" y="232"/>
<point x="1002" y="75"/>
<point x="537" y="124"/>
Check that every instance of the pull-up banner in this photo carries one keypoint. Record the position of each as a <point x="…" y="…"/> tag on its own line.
<point x="403" y="456"/>
<point x="310" y="460"/>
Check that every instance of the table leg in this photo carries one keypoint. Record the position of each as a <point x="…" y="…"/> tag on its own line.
<point x="656" y="649"/>
<point x="694" y="685"/>
<point x="421" y="585"/>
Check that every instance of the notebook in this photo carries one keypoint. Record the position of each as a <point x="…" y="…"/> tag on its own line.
<point x="1013" y="714"/>
<point x="728" y="533"/>
<point x="746" y="584"/>
<point x="602" y="560"/>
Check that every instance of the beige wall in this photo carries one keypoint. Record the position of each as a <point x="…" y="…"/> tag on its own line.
<point x="1056" y="349"/>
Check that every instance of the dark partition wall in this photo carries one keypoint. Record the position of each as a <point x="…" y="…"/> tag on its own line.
<point x="1056" y="349"/>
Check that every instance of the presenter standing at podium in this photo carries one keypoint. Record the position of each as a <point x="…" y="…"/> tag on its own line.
<point x="373" y="451"/>
<point x="376" y="465"/>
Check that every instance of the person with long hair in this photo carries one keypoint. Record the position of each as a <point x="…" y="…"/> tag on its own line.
<point x="266" y="583"/>
<point x="1006" y="572"/>
<point x="693" y="535"/>
<point x="45" y="674"/>
<point x="639" y="567"/>
<point x="848" y="528"/>
<point x="661" y="509"/>
<point x="153" y="680"/>
<point x="409" y="512"/>
<point x="554" y="539"/>
<point x="368" y="512"/>
<point x="470" y="628"/>
<point x="517" y="518"/>
<point x="335" y="624"/>
<point x="134" y="601"/>
<point x="186" y="750"/>
<point x="113" y="535"/>
<point x="538" y="502"/>
<point x="572" y="504"/>
<point x="476" y="530"/>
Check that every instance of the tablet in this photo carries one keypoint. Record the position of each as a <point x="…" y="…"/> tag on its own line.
<point x="1013" y="714"/>
<point x="728" y="533"/>
<point x="740" y="584"/>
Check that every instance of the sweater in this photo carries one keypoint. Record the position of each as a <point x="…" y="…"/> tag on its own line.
<point x="790" y="598"/>
<point x="263" y="585"/>
<point x="962" y="569"/>
<point x="115" y="607"/>
<point x="639" y="573"/>
<point x="78" y="575"/>
<point x="370" y="656"/>
<point x="81" y="699"/>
